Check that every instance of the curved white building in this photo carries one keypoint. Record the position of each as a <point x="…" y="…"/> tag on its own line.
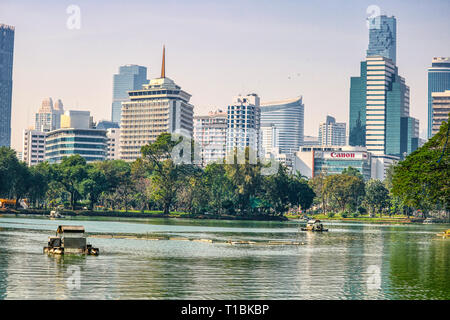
<point x="287" y="118"/>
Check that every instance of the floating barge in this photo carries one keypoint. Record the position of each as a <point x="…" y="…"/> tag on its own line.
<point x="444" y="234"/>
<point x="314" y="225"/>
<point x="70" y="240"/>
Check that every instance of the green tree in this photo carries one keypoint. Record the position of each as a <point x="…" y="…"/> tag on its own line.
<point x="422" y="179"/>
<point x="377" y="196"/>
<point x="344" y="189"/>
<point x="300" y="193"/>
<point x="167" y="176"/>
<point x="94" y="185"/>
<point x="70" y="173"/>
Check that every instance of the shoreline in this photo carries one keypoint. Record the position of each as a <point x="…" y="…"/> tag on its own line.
<point x="144" y="215"/>
<point x="182" y="215"/>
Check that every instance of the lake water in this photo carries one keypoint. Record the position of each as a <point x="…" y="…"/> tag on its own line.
<point x="351" y="261"/>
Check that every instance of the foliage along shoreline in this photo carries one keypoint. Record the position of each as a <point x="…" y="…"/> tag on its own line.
<point x="417" y="186"/>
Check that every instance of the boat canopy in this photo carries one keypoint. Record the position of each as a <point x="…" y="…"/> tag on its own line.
<point x="71" y="229"/>
<point x="312" y="221"/>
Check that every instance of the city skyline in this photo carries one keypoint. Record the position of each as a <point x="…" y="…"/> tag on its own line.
<point x="209" y="67"/>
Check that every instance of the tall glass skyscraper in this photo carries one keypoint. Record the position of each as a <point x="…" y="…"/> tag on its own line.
<point x="130" y="77"/>
<point x="288" y="118"/>
<point x="6" y="66"/>
<point x="438" y="81"/>
<point x="379" y="110"/>
<point x="383" y="37"/>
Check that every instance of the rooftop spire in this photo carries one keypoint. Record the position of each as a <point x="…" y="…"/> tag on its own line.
<point x="163" y="66"/>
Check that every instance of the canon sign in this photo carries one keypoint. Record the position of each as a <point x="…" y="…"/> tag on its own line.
<point x="342" y="155"/>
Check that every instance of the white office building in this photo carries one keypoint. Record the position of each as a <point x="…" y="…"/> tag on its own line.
<point x="210" y="133"/>
<point x="244" y="119"/>
<point x="332" y="133"/>
<point x="160" y="106"/>
<point x="113" y="141"/>
<point x="33" y="150"/>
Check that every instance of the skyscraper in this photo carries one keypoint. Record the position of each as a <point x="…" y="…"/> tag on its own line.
<point x="438" y="81"/>
<point x="130" y="77"/>
<point x="244" y="120"/>
<point x="379" y="100"/>
<point x="441" y="109"/>
<point x="383" y="37"/>
<point x="332" y="133"/>
<point x="48" y="117"/>
<point x="210" y="132"/>
<point x="6" y="66"/>
<point x="288" y="118"/>
<point x="159" y="106"/>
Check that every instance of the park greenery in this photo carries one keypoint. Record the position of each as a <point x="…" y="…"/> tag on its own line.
<point x="155" y="182"/>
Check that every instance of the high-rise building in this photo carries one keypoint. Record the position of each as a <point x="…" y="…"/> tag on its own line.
<point x="33" y="151"/>
<point x="332" y="133"/>
<point x="288" y="118"/>
<point x="130" y="77"/>
<point x="438" y="81"/>
<point x="310" y="141"/>
<point x="113" y="135"/>
<point x="379" y="100"/>
<point x="6" y="66"/>
<point x="441" y="109"/>
<point x="269" y="139"/>
<point x="48" y="117"/>
<point x="244" y="120"/>
<point x="383" y="37"/>
<point x="76" y="136"/>
<point x="160" y="106"/>
<point x="105" y="124"/>
<point x="210" y="132"/>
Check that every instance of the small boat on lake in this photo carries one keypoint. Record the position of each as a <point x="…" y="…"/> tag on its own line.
<point x="429" y="221"/>
<point x="314" y="225"/>
<point x="54" y="214"/>
<point x="445" y="234"/>
<point x="70" y="240"/>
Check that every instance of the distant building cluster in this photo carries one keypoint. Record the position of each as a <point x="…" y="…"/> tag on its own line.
<point x="380" y="129"/>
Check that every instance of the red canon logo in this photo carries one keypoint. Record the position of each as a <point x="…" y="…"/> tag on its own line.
<point x="342" y="155"/>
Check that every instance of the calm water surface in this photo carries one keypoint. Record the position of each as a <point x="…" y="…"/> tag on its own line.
<point x="351" y="261"/>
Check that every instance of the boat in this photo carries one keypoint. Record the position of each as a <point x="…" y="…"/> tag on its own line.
<point x="429" y="221"/>
<point x="69" y="240"/>
<point x="314" y="225"/>
<point x="54" y="214"/>
<point x="445" y="234"/>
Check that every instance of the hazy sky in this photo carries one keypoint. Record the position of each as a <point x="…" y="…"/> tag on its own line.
<point x="214" y="50"/>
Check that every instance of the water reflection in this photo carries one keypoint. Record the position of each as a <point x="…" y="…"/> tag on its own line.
<point x="412" y="262"/>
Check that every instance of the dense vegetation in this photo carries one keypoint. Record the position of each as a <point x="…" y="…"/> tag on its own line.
<point x="156" y="182"/>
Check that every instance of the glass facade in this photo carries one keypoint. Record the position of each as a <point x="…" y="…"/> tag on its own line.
<point x="130" y="77"/>
<point x="6" y="66"/>
<point x="91" y="144"/>
<point x="288" y="118"/>
<point x="357" y="125"/>
<point x="383" y="38"/>
<point x="337" y="166"/>
<point x="438" y="81"/>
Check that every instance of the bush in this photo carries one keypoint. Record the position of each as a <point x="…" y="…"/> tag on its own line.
<point x="344" y="214"/>
<point x="355" y="214"/>
<point x="362" y="210"/>
<point x="330" y="214"/>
